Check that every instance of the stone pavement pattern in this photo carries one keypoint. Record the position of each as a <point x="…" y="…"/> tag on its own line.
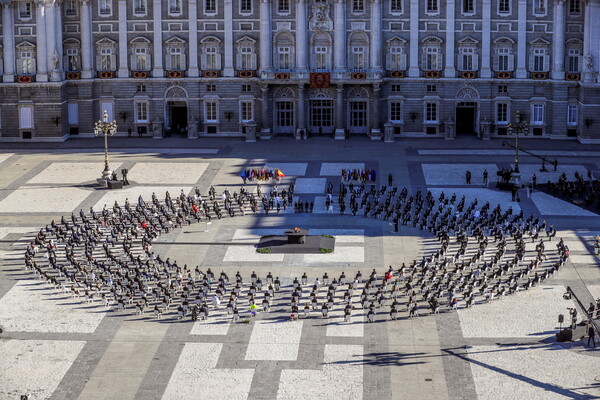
<point x="59" y="348"/>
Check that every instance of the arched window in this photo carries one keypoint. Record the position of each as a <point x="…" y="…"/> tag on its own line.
<point x="396" y="54"/>
<point x="72" y="60"/>
<point x="246" y="54"/>
<point x="321" y="54"/>
<point x="284" y="51"/>
<point x="359" y="51"/>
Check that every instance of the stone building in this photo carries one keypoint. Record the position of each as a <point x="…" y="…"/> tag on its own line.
<point x="383" y="68"/>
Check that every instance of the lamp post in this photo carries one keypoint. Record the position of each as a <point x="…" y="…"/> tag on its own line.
<point x="517" y="127"/>
<point x="105" y="128"/>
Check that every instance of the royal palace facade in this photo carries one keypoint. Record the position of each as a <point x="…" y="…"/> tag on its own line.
<point x="382" y="68"/>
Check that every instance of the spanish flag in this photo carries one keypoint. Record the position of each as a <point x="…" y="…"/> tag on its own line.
<point x="278" y="173"/>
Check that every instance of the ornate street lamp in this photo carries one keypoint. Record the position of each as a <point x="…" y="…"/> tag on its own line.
<point x="105" y="128"/>
<point x="519" y="126"/>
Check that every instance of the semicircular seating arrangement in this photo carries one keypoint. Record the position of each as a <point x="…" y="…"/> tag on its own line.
<point x="473" y="255"/>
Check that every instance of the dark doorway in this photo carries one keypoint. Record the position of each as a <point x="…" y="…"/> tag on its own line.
<point x="465" y="120"/>
<point x="178" y="116"/>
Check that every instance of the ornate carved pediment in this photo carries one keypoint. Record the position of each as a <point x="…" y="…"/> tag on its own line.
<point x="320" y="20"/>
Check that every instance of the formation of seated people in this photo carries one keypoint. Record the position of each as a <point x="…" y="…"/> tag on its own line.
<point x="579" y="189"/>
<point x="108" y="256"/>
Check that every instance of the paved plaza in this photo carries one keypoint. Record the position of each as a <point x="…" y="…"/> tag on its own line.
<point x="55" y="346"/>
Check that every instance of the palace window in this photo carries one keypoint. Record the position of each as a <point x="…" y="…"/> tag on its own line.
<point x="502" y="113"/>
<point x="141" y="111"/>
<point x="432" y="58"/>
<point x="246" y="111"/>
<point x="572" y="114"/>
<point x="358" y="57"/>
<point x="538" y="114"/>
<point x="72" y="64"/>
<point x="432" y="6"/>
<point x="106" y="59"/>
<point x="574" y="60"/>
<point x="539" y="60"/>
<point x="321" y="54"/>
<point x="211" y="54"/>
<point x="211" y="114"/>
<point x="245" y="6"/>
<point x="26" y="59"/>
<point x="504" y="59"/>
<point x="358" y="6"/>
<point x="431" y="112"/>
<point x="105" y="7"/>
<point x="395" y="111"/>
<point x="25" y="10"/>
<point x="468" y="6"/>
<point x="210" y="6"/>
<point x="175" y="55"/>
<point x="284" y="51"/>
<point x="71" y="8"/>
<point x="359" y="46"/>
<point x="140" y="7"/>
<point x="140" y="55"/>
<point x="504" y="6"/>
<point x="283" y="6"/>
<point x="246" y="55"/>
<point x="539" y="7"/>
<point x="468" y="59"/>
<point x="396" y="6"/>
<point x="575" y="7"/>
<point x="396" y="56"/>
<point x="174" y="7"/>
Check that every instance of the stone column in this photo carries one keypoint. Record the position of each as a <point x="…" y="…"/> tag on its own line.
<point x="193" y="71"/>
<point x="86" y="39"/>
<point x="266" y="128"/>
<point x="339" y="114"/>
<point x="450" y="70"/>
<point x="413" y="70"/>
<point x="50" y="37"/>
<point x="123" y="71"/>
<point x="558" y="53"/>
<point x="228" y="68"/>
<point x="41" y="47"/>
<point x="340" y="36"/>
<point x="8" y="42"/>
<point x="375" y="129"/>
<point x="300" y="121"/>
<point x="486" y="39"/>
<point x="522" y="40"/>
<point x="158" y="71"/>
<point x="376" y="36"/>
<point x="591" y="50"/>
<point x="266" y="42"/>
<point x="301" y="37"/>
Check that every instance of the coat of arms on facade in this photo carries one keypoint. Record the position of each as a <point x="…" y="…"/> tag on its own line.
<point x="320" y="20"/>
<point x="319" y="80"/>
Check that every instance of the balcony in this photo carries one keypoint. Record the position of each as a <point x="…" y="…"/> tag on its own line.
<point x="282" y="75"/>
<point x="358" y="74"/>
<point x="246" y="73"/>
<point x="504" y="74"/>
<point x="432" y="74"/>
<point x="572" y="76"/>
<point x="211" y="73"/>
<point x="538" y="75"/>
<point x="139" y="74"/>
<point x="73" y="75"/>
<point x="397" y="74"/>
<point x="106" y="74"/>
<point x="175" y="74"/>
<point x="467" y="74"/>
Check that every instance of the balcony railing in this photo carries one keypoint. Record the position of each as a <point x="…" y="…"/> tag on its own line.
<point x="140" y="74"/>
<point x="106" y="74"/>
<point x="397" y="74"/>
<point x="174" y="74"/>
<point x="73" y="75"/>
<point x="467" y="74"/>
<point x="538" y="75"/>
<point x="504" y="74"/>
<point x="246" y="73"/>
<point x="572" y="76"/>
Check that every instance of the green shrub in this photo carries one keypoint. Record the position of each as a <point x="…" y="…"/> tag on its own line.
<point x="324" y="250"/>
<point x="264" y="250"/>
<point x="328" y="236"/>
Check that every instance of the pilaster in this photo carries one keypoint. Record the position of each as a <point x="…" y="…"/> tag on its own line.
<point x="193" y="71"/>
<point x="41" y="45"/>
<point x="340" y="36"/>
<point x="450" y="70"/>
<point x="413" y="70"/>
<point x="85" y="19"/>
<point x="376" y="35"/>
<point x="158" y="70"/>
<point x="8" y="42"/>
<point x="558" y="53"/>
<point x="123" y="71"/>
<point x="229" y="69"/>
<point x="522" y="40"/>
<point x="301" y="37"/>
<point x="265" y="36"/>
<point x="486" y="39"/>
